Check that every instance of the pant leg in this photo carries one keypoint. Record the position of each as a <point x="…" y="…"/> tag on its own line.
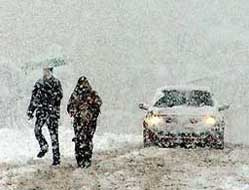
<point x="89" y="133"/>
<point x="53" y="126"/>
<point x="83" y="142"/>
<point x="78" y="140"/>
<point x="79" y="153"/>
<point x="88" y="149"/>
<point x="40" y="121"/>
<point x="83" y="151"/>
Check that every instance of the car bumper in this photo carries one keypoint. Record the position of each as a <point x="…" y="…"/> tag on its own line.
<point x="209" y="138"/>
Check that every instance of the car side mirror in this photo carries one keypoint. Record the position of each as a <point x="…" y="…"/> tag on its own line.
<point x="223" y="108"/>
<point x="143" y="106"/>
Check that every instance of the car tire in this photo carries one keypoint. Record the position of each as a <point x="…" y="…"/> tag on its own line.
<point x="216" y="144"/>
<point x="221" y="143"/>
<point x="147" y="142"/>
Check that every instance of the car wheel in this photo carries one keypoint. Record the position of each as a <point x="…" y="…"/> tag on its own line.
<point x="220" y="144"/>
<point x="217" y="142"/>
<point x="166" y="144"/>
<point x="147" y="141"/>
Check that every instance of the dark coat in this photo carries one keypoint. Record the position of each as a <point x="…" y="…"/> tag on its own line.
<point x="84" y="102"/>
<point x="46" y="98"/>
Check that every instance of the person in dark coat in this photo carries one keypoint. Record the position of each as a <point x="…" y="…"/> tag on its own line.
<point x="45" y="101"/>
<point x="84" y="106"/>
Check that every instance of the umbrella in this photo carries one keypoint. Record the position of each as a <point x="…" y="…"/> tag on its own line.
<point x="53" y="62"/>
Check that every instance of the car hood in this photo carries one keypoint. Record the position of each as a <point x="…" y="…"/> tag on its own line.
<point x="185" y="110"/>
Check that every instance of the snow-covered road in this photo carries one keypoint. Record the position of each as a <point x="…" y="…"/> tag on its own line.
<point x="20" y="145"/>
<point x="137" y="168"/>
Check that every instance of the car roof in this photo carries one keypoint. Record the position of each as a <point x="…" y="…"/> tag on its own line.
<point x="184" y="88"/>
<point x="159" y="92"/>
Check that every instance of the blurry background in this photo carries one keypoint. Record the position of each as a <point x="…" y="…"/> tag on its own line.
<point x="127" y="49"/>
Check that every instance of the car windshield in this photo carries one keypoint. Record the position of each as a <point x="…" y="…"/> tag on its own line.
<point x="196" y="98"/>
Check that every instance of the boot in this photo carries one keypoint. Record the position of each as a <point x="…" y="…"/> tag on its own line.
<point x="42" y="153"/>
<point x="87" y="164"/>
<point x="56" y="163"/>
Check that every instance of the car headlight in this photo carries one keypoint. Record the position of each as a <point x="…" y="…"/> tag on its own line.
<point x="210" y="120"/>
<point x="153" y="120"/>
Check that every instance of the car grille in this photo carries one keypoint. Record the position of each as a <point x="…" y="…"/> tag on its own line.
<point x="182" y="120"/>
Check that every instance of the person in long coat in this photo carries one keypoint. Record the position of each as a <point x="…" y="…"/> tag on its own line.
<point x="84" y="107"/>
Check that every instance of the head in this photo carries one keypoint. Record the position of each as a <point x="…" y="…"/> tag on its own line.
<point x="83" y="84"/>
<point x="47" y="72"/>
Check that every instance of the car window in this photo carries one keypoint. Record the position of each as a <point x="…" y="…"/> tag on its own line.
<point x="171" y="98"/>
<point x="200" y="98"/>
<point x="196" y="98"/>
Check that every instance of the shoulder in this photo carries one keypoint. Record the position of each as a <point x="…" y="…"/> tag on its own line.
<point x="94" y="93"/>
<point x="39" y="83"/>
<point x="56" y="81"/>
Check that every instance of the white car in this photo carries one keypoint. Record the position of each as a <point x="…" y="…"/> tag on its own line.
<point x="186" y="116"/>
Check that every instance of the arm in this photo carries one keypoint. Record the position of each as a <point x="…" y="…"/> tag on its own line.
<point x="60" y="91"/>
<point x="34" y="102"/>
<point x="96" y="103"/>
<point x="71" y="106"/>
<point x="57" y="94"/>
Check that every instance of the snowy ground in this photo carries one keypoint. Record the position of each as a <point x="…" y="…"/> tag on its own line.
<point x="130" y="167"/>
<point x="20" y="146"/>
